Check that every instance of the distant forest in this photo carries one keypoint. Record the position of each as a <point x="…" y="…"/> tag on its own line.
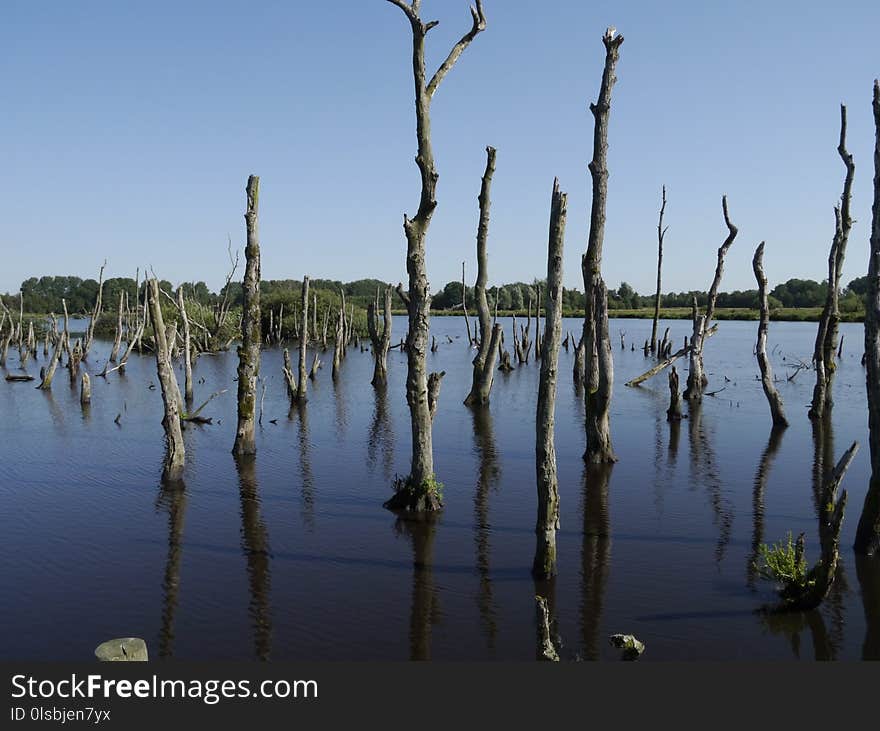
<point x="44" y="294"/>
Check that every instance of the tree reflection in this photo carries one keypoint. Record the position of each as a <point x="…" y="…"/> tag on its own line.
<point x="595" y="554"/>
<point x="425" y="607"/>
<point x="773" y="444"/>
<point x="172" y="499"/>
<point x="381" y="436"/>
<point x="307" y="479"/>
<point x="255" y="546"/>
<point x="868" y="573"/>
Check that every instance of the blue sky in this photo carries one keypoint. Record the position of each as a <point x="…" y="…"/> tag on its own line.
<point x="128" y="131"/>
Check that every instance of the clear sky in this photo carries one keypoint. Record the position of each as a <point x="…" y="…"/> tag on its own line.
<point x="128" y="130"/>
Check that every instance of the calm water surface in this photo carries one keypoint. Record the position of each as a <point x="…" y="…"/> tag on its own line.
<point x="291" y="556"/>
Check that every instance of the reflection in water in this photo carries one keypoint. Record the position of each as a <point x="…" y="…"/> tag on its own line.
<point x="381" y="433"/>
<point x="704" y="468"/>
<point x="773" y="444"/>
<point x="255" y="546"/>
<point x="488" y="476"/>
<point x="339" y="398"/>
<point x="300" y="409"/>
<point x="425" y="607"/>
<point x="595" y="555"/>
<point x="823" y="462"/>
<point x="868" y="573"/>
<point x="171" y="498"/>
<point x="674" y="438"/>
<point x="546" y="588"/>
<point x="792" y="624"/>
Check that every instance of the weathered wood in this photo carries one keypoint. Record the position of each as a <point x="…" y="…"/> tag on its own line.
<point x="673" y="413"/>
<point x="381" y="342"/>
<point x="49" y="373"/>
<point x="598" y="365"/>
<point x="289" y="378"/>
<point x="826" y="335"/>
<point x="96" y="314"/>
<point x="117" y="340"/>
<point x="544" y="564"/>
<point x="418" y="299"/>
<point x="668" y="360"/>
<point x="484" y="360"/>
<point x="697" y="379"/>
<point x="777" y="412"/>
<point x="124" y="649"/>
<point x="302" y="385"/>
<point x="85" y="391"/>
<point x="187" y="347"/>
<point x="249" y="350"/>
<point x="867" y="540"/>
<point x="546" y="649"/>
<point x="467" y="320"/>
<point x="661" y="234"/>
<point x="175" y="454"/>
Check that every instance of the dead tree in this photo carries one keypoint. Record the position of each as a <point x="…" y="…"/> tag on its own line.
<point x="289" y="378"/>
<point x="773" y="398"/>
<point x="302" y="385"/>
<point x="49" y="373"/>
<point x="673" y="413"/>
<point x="544" y="564"/>
<point x="187" y="348"/>
<point x="249" y="350"/>
<point x="381" y="342"/>
<point x="85" y="391"/>
<point x="868" y="533"/>
<point x="117" y="341"/>
<point x="338" y="344"/>
<point x="697" y="379"/>
<point x="661" y="234"/>
<point x="420" y="493"/>
<point x="175" y="454"/>
<point x="484" y="360"/>
<point x="599" y="367"/>
<point x="96" y="314"/>
<point x="579" y="369"/>
<point x="826" y="336"/>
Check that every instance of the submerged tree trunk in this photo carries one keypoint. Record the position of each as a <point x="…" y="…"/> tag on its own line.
<point x="868" y="533"/>
<point x="382" y="342"/>
<point x="187" y="348"/>
<point x="420" y="493"/>
<point x="175" y="453"/>
<point x="661" y="234"/>
<point x="826" y="336"/>
<point x="249" y="350"/>
<point x="484" y="360"/>
<point x="599" y="368"/>
<point x="773" y="398"/>
<point x="544" y="564"/>
<point x="673" y="413"/>
<point x="698" y="380"/>
<point x="302" y="386"/>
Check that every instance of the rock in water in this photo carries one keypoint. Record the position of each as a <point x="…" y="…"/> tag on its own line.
<point x="631" y="646"/>
<point x="123" y="649"/>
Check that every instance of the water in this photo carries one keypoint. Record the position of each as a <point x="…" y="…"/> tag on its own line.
<point x="292" y="557"/>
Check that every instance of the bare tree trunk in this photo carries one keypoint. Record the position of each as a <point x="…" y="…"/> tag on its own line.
<point x="773" y="398"/>
<point x="303" y="343"/>
<point x="338" y="344"/>
<point x="314" y="318"/>
<point x="579" y="370"/>
<point x="599" y="368"/>
<point x="251" y="338"/>
<point x="382" y="342"/>
<point x="96" y="313"/>
<point x="49" y="373"/>
<point x="85" y="391"/>
<point x="544" y="564"/>
<point x="826" y="337"/>
<point x="187" y="348"/>
<point x="420" y="493"/>
<point x="698" y="380"/>
<point x="117" y="342"/>
<point x="694" y="390"/>
<point x="538" y="324"/>
<point x="289" y="378"/>
<point x="176" y="452"/>
<point x="661" y="234"/>
<point x="868" y="533"/>
<point x="673" y="413"/>
<point x="484" y="360"/>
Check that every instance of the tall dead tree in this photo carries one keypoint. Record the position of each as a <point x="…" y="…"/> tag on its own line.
<point x="418" y="299"/>
<point x="117" y="340"/>
<point x="467" y="319"/>
<point x="249" y="350"/>
<point x="302" y="385"/>
<point x="96" y="314"/>
<point x="381" y="342"/>
<point x="868" y="533"/>
<point x="175" y="453"/>
<point x="544" y="564"/>
<point x="599" y="367"/>
<point x="773" y="398"/>
<point x="187" y="348"/>
<point x="826" y="336"/>
<point x="661" y="234"/>
<point x="697" y="379"/>
<point x="484" y="360"/>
